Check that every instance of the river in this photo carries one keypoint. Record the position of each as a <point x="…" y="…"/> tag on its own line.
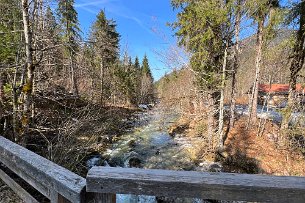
<point x="149" y="145"/>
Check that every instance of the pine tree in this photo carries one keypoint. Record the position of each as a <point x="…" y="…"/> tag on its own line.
<point x="137" y="81"/>
<point x="11" y="53"/>
<point x="70" y="36"/>
<point x="105" y="42"/>
<point x="147" y="91"/>
<point x="137" y="63"/>
<point x="10" y="22"/>
<point x="145" y="66"/>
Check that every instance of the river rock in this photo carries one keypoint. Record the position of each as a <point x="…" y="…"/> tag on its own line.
<point x="178" y="129"/>
<point x="94" y="160"/>
<point x="131" y="143"/>
<point x="132" y="159"/>
<point x="208" y="166"/>
<point x="134" y="162"/>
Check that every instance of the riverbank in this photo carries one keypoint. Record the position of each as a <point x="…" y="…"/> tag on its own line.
<point x="245" y="150"/>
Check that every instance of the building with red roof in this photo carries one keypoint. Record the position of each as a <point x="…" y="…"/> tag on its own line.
<point x="279" y="89"/>
<point x="276" y="94"/>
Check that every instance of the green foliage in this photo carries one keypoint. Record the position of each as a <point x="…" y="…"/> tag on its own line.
<point x="258" y="9"/>
<point x="201" y="128"/>
<point x="7" y="88"/>
<point x="27" y="88"/>
<point x="137" y="64"/>
<point x="275" y="19"/>
<point x="145" y="67"/>
<point x="201" y="29"/>
<point x="69" y="24"/>
<point x="126" y="75"/>
<point x="10" y="21"/>
<point x="293" y="14"/>
<point x="50" y="23"/>
<point x="105" y="38"/>
<point x="147" y="88"/>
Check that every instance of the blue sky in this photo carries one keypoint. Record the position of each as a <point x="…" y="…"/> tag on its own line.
<point x="141" y="24"/>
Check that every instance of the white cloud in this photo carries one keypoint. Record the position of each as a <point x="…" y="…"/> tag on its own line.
<point x="112" y="6"/>
<point x="91" y="3"/>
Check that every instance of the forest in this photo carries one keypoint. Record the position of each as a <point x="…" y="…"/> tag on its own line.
<point x="233" y="100"/>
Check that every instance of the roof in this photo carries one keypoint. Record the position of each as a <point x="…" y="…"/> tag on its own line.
<point x="279" y="88"/>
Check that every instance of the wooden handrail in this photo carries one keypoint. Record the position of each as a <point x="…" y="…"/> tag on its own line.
<point x="219" y="186"/>
<point x="50" y="179"/>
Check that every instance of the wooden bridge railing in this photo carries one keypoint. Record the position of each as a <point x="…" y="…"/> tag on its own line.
<point x="54" y="182"/>
<point x="60" y="185"/>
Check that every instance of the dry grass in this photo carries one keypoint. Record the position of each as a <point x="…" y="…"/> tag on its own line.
<point x="245" y="152"/>
<point x="270" y="158"/>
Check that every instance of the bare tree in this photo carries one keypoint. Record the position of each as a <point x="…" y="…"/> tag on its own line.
<point x="30" y="67"/>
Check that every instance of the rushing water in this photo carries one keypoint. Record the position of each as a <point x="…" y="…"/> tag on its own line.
<point x="149" y="145"/>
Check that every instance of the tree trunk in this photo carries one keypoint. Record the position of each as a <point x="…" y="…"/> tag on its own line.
<point x="102" y="82"/>
<point x="211" y="118"/>
<point x="73" y="76"/>
<point x="15" y="94"/>
<point x="28" y="87"/>
<point x="1" y="88"/>
<point x="297" y="62"/>
<point x="1" y="98"/>
<point x="258" y="61"/>
<point x="221" y="102"/>
<point x="235" y="68"/>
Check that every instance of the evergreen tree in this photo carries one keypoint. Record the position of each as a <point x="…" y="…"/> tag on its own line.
<point x="70" y="36"/>
<point x="137" y="63"/>
<point x="10" y="22"/>
<point x="105" y="43"/>
<point x="145" y="67"/>
<point x="147" y="90"/>
<point x="105" y="38"/>
<point x="11" y="52"/>
<point x="137" y="80"/>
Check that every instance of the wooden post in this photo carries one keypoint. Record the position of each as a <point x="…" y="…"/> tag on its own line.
<point x="104" y="198"/>
<point x="100" y="198"/>
<point x="57" y="198"/>
<point x="62" y="199"/>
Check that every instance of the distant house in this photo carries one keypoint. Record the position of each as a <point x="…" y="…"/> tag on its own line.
<point x="276" y="94"/>
<point x="279" y="89"/>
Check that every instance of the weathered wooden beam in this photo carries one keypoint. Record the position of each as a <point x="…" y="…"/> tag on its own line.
<point x="42" y="174"/>
<point x="33" y="182"/>
<point x="219" y="186"/>
<point x="22" y="193"/>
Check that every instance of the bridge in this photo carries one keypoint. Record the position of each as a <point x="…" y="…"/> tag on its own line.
<point x="101" y="185"/>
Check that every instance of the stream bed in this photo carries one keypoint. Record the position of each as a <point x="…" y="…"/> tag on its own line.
<point x="149" y="145"/>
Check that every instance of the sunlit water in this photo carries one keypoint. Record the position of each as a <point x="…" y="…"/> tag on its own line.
<point x="149" y="145"/>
